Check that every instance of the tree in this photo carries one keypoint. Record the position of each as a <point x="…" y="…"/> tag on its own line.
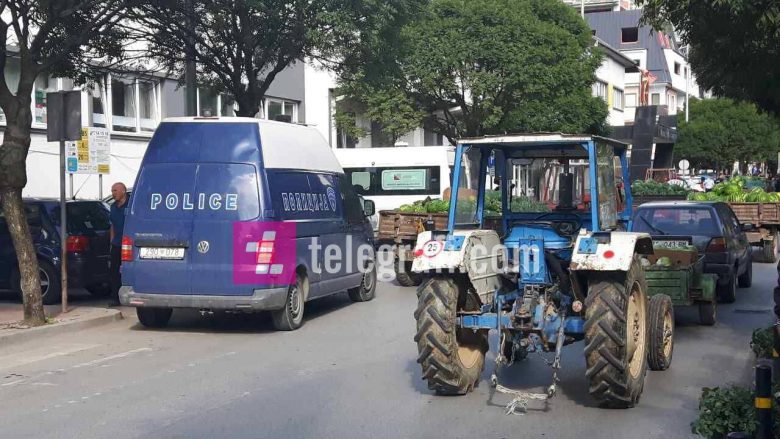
<point x="471" y="68"/>
<point x="54" y="37"/>
<point x="733" y="44"/>
<point x="723" y="131"/>
<point x="241" y="45"/>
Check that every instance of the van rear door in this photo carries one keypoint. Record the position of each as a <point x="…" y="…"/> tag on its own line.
<point x="160" y="221"/>
<point x="230" y="194"/>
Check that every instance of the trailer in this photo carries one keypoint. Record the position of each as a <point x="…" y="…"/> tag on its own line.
<point x="765" y="217"/>
<point x="400" y="229"/>
<point x="678" y="280"/>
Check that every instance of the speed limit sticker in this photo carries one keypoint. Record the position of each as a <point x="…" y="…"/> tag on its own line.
<point x="432" y="248"/>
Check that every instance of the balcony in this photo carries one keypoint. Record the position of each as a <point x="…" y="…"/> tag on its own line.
<point x="600" y="5"/>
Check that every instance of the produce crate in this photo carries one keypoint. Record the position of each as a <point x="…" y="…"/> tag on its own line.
<point x="399" y="226"/>
<point x="770" y="213"/>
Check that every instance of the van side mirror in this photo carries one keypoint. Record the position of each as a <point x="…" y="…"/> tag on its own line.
<point x="369" y="208"/>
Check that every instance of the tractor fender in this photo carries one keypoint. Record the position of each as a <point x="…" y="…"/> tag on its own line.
<point x="609" y="251"/>
<point x="477" y="253"/>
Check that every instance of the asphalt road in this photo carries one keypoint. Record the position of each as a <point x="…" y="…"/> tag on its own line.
<point x="349" y="372"/>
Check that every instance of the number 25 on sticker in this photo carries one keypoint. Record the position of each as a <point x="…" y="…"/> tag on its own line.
<point x="432" y="248"/>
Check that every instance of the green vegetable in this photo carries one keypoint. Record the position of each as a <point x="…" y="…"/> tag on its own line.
<point x="664" y="261"/>
<point x="651" y="187"/>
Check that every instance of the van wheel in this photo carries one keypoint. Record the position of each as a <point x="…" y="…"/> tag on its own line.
<point x="51" y="291"/>
<point x="746" y="279"/>
<point x="154" y="317"/>
<point x="727" y="293"/>
<point x="367" y="288"/>
<point x="290" y="317"/>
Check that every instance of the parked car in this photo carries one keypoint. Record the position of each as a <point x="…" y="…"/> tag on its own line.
<point x="211" y="196"/>
<point x="87" y="245"/>
<point x="716" y="233"/>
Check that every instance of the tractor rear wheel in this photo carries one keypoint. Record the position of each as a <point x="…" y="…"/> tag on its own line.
<point x="616" y="342"/>
<point x="404" y="274"/>
<point x="452" y="358"/>
<point x="661" y="332"/>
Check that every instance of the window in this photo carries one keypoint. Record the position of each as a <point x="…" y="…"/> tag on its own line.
<point x="637" y="61"/>
<point x="98" y="96"/>
<point x="600" y="89"/>
<point x="630" y="101"/>
<point x="353" y="208"/>
<point x="629" y="35"/>
<point x="278" y="107"/>
<point x="397" y="180"/>
<point x="149" y="117"/>
<point x="676" y="68"/>
<point x="617" y="99"/>
<point x="676" y="221"/>
<point x="655" y="99"/>
<point x="123" y="105"/>
<point x="227" y="105"/>
<point x="83" y="217"/>
<point x="685" y="71"/>
<point x="207" y="102"/>
<point x="672" y="100"/>
<point x="43" y="85"/>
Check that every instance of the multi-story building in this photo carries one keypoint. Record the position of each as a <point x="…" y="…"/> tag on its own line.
<point x="601" y="5"/>
<point x="131" y="106"/>
<point x="660" y="60"/>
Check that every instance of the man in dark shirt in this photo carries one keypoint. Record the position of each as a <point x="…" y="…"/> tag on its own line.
<point x="119" y="193"/>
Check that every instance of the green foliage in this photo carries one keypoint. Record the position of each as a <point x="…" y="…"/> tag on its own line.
<point x="736" y="191"/>
<point x="762" y="342"/>
<point x="722" y="131"/>
<point x="241" y="46"/>
<point x="733" y="44"/>
<point x="723" y="410"/>
<point x="651" y="187"/>
<point x="486" y="67"/>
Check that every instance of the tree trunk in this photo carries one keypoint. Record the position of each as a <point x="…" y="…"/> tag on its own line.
<point x="13" y="178"/>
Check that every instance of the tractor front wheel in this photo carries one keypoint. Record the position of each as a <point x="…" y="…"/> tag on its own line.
<point x="616" y="342"/>
<point x="452" y="358"/>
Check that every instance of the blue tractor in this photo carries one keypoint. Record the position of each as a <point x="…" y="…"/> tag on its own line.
<point x="535" y="249"/>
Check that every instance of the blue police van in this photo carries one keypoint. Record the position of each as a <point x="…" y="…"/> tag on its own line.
<point x="246" y="215"/>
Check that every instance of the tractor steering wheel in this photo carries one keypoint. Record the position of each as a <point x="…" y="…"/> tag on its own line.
<point x="564" y="226"/>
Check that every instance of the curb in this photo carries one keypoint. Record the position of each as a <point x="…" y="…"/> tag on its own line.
<point x="24" y="335"/>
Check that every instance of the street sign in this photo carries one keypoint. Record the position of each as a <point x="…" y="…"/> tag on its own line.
<point x="91" y="154"/>
<point x="684" y="164"/>
<point x="64" y="121"/>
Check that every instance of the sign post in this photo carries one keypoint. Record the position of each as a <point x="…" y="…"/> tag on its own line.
<point x="64" y="108"/>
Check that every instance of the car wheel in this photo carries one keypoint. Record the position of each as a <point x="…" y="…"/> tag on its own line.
<point x="746" y="278"/>
<point x="727" y="293"/>
<point x="51" y="292"/>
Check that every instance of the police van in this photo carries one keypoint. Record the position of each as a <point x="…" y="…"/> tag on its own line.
<point x="246" y="215"/>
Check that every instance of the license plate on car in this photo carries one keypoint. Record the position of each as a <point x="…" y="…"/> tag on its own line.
<point x="161" y="253"/>
<point x="671" y="244"/>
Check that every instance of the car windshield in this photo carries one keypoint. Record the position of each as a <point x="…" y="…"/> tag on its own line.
<point x="676" y="221"/>
<point x="83" y="217"/>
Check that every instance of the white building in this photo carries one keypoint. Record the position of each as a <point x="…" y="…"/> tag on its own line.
<point x="656" y="54"/>
<point x="131" y="106"/>
<point x="610" y="82"/>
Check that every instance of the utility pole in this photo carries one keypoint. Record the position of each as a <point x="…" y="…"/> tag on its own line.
<point x="190" y="68"/>
<point x="687" y="82"/>
<point x="582" y="8"/>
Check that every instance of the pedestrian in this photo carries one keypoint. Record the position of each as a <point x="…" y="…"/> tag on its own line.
<point x="119" y="193"/>
<point x="777" y="183"/>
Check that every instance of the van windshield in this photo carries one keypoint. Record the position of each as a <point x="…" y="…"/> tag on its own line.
<point x="395" y="180"/>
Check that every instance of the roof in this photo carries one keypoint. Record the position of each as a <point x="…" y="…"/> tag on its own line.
<point x="608" y="27"/>
<point x="395" y="156"/>
<point x="537" y="139"/>
<point x="618" y="56"/>
<point x="284" y="145"/>
<point x="679" y="203"/>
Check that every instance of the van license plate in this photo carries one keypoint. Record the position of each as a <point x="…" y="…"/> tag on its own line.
<point x="671" y="244"/>
<point x="161" y="253"/>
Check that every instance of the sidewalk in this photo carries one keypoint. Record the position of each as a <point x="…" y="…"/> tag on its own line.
<point x="81" y="314"/>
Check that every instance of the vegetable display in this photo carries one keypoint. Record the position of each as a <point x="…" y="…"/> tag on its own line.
<point x="492" y="205"/>
<point x="734" y="191"/>
<point x="643" y="188"/>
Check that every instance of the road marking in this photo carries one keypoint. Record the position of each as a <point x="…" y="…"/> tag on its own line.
<point x="41" y="354"/>
<point x="111" y="357"/>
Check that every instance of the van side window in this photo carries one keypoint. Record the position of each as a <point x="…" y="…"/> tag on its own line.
<point x="353" y="208"/>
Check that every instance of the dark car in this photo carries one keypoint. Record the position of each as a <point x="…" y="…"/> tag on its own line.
<point x="716" y="233"/>
<point x="87" y="245"/>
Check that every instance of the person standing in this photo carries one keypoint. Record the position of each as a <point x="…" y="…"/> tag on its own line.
<point x="117" y="216"/>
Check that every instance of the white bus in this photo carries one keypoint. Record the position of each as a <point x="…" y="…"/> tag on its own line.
<point x="394" y="176"/>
